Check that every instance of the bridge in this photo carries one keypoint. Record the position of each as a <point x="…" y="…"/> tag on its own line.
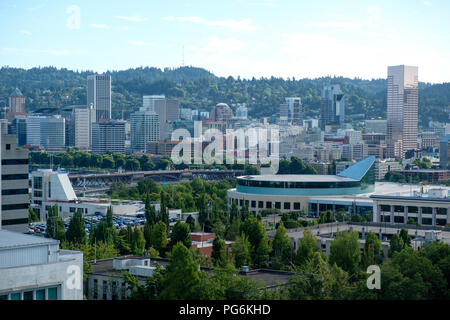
<point x="104" y="180"/>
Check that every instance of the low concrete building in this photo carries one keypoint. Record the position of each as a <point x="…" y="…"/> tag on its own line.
<point x="34" y="268"/>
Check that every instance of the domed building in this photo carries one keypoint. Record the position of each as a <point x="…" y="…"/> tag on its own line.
<point x="221" y="112"/>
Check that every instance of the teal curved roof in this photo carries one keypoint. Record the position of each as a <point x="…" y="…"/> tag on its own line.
<point x="359" y="169"/>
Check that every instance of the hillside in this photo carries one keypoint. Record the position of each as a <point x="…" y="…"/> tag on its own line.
<point x="199" y="89"/>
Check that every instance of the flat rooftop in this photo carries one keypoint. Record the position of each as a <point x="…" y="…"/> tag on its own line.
<point x="10" y="240"/>
<point x="296" y="178"/>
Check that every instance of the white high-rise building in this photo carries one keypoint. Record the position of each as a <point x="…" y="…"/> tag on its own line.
<point x="83" y="119"/>
<point x="99" y="94"/>
<point x="291" y="112"/>
<point x="144" y="128"/>
<point x="166" y="109"/>
<point x="48" y="132"/>
<point x="402" y="110"/>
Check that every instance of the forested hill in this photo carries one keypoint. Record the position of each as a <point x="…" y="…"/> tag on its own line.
<point x="199" y="89"/>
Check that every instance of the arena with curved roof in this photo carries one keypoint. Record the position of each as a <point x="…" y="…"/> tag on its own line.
<point x="291" y="192"/>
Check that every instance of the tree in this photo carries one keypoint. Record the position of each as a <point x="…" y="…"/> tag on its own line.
<point x="372" y="250"/>
<point x="150" y="211"/>
<point x="281" y="247"/>
<point x="240" y="250"/>
<point x="55" y="224"/>
<point x="233" y="229"/>
<point x="158" y="238"/>
<point x="138" y="242"/>
<point x="405" y="237"/>
<point x="109" y="218"/>
<point x="191" y="222"/>
<point x="181" y="233"/>
<point x="76" y="232"/>
<point x="257" y="237"/>
<point x="395" y="245"/>
<point x="345" y="251"/>
<point x="32" y="216"/>
<point x="219" y="252"/>
<point x="306" y="248"/>
<point x="182" y="275"/>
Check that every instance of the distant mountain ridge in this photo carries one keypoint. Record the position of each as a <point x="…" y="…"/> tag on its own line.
<point x="198" y="88"/>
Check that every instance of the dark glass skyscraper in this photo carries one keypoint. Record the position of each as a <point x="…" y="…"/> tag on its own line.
<point x="333" y="106"/>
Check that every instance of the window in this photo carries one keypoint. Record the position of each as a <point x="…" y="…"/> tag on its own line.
<point x="28" y="295"/>
<point x="105" y="289"/>
<point x="14" y="161"/>
<point x="246" y="203"/>
<point x="52" y="293"/>
<point x="40" y="294"/>
<point x="8" y="146"/>
<point x="11" y="192"/>
<point x="296" y="205"/>
<point x="253" y="204"/>
<point x="287" y="206"/>
<point x="37" y="182"/>
<point x="37" y="194"/>
<point x="15" y="176"/>
<point x="385" y="207"/>
<point x="95" y="289"/>
<point x="268" y="205"/>
<point x="15" y="296"/>
<point x="260" y="204"/>
<point x="427" y="210"/>
<point x="4" y="297"/>
<point x="49" y="189"/>
<point x="19" y="206"/>
<point x="241" y="202"/>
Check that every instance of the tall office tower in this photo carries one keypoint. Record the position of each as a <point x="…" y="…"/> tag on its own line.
<point x="402" y="110"/>
<point x="166" y="109"/>
<point x="53" y="132"/>
<point x="333" y="106"/>
<point x="144" y="128"/>
<point x="99" y="94"/>
<point x="16" y="102"/>
<point x="291" y="112"/>
<point x="83" y="120"/>
<point x="19" y="128"/>
<point x="242" y="111"/>
<point x="108" y="136"/>
<point x="14" y="183"/>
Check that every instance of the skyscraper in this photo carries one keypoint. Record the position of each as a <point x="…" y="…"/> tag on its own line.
<point x="108" y="136"/>
<point x="144" y="128"/>
<point x="166" y="109"/>
<point x="99" y="94"/>
<point x="83" y="120"/>
<point x="402" y="110"/>
<point x="333" y="106"/>
<point x="291" y="112"/>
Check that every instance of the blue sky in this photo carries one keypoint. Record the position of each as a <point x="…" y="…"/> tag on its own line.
<point x="249" y="38"/>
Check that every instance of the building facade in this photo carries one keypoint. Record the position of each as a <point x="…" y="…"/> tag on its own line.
<point x="333" y="106"/>
<point x="14" y="183"/>
<point x="99" y="95"/>
<point x="402" y="110"/>
<point x="83" y="120"/>
<point x="144" y="128"/>
<point x="444" y="152"/>
<point x="108" y="136"/>
<point x="16" y="102"/>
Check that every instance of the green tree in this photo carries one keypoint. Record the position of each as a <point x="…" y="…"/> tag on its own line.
<point x="158" y="238"/>
<point x="191" y="222"/>
<point x="76" y="232"/>
<point x="257" y="237"/>
<point x="182" y="275"/>
<point x="405" y="237"/>
<point x="219" y="253"/>
<point x="281" y="247"/>
<point x="138" y="242"/>
<point x="306" y="248"/>
<point x="395" y="245"/>
<point x="240" y="250"/>
<point x="32" y="216"/>
<point x="345" y="251"/>
<point x="181" y="233"/>
<point x="55" y="225"/>
<point x="372" y="250"/>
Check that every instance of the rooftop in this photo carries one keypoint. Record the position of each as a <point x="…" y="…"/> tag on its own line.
<point x="10" y="240"/>
<point x="296" y="178"/>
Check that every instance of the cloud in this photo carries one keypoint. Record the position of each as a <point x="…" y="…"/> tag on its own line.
<point x="337" y="25"/>
<point x="53" y="52"/>
<point x="99" y="26"/>
<point x="140" y="43"/>
<point x="373" y="16"/>
<point x="26" y="32"/>
<point x="133" y="19"/>
<point x="242" y="25"/>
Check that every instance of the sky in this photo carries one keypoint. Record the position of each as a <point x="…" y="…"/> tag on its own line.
<point x="246" y="38"/>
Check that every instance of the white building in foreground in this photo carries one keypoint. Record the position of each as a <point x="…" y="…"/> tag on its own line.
<point x="34" y="268"/>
